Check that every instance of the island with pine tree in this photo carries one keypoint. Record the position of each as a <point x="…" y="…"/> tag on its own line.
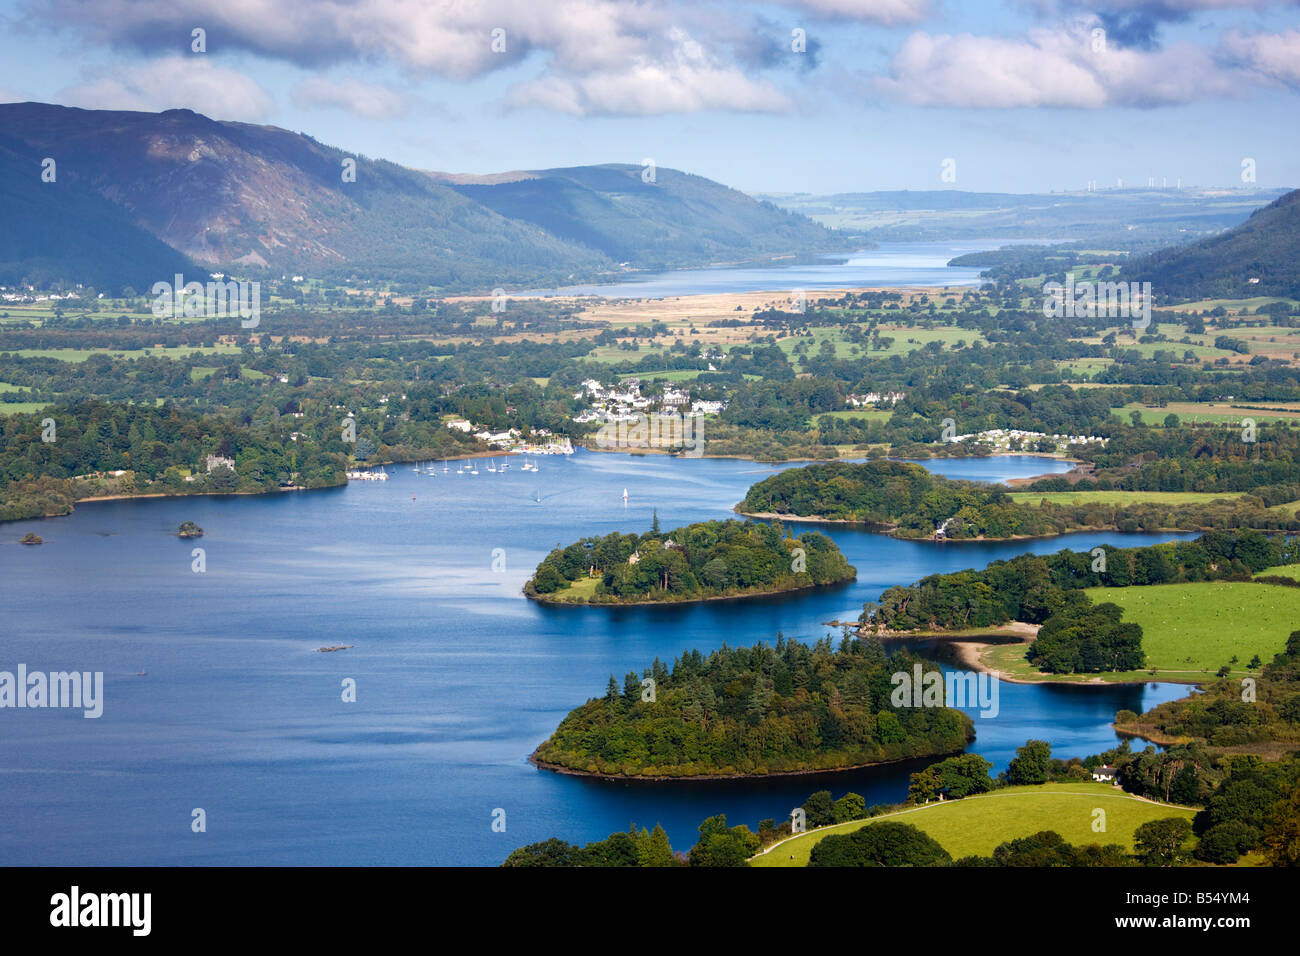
<point x="758" y="711"/>
<point x="709" y="560"/>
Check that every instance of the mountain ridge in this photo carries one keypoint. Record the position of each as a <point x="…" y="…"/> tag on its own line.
<point x="253" y="198"/>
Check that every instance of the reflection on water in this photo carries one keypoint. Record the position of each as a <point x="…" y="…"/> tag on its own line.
<point x="458" y="676"/>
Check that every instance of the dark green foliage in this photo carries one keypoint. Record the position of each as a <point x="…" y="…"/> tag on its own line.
<point x="897" y="495"/>
<point x="880" y="844"/>
<point x="1221" y="717"/>
<point x="153" y="446"/>
<point x="1033" y="587"/>
<point x="1049" y="848"/>
<point x="1265" y="247"/>
<point x="720" y="845"/>
<point x="909" y="502"/>
<point x="707" y="559"/>
<point x="633" y="848"/>
<point x="1226" y="842"/>
<point x="954" y="778"/>
<point x="758" y="710"/>
<point x="1160" y="842"/>
<point x="1031" y="764"/>
<point x="1086" y="637"/>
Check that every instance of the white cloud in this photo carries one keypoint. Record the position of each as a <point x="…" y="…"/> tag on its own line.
<point x="450" y="38"/>
<point x="884" y="12"/>
<point x="684" y="80"/>
<point x="1055" y="67"/>
<point x="175" y="82"/>
<point x="1274" y="57"/>
<point x="599" y="56"/>
<point x="368" y="100"/>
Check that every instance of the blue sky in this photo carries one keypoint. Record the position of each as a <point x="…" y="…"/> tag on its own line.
<point x="1023" y="96"/>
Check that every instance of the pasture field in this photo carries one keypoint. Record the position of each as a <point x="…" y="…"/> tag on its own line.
<point x="1122" y="497"/>
<point x="975" y="825"/>
<point x="870" y="414"/>
<point x="1224" y="413"/>
<point x="1285" y="571"/>
<point x="1203" y="625"/>
<point x="20" y="408"/>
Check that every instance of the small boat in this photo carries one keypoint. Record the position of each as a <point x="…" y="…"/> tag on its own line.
<point x="492" y="466"/>
<point x="624" y="494"/>
<point x="444" y="466"/>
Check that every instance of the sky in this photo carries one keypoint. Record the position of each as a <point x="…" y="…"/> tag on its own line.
<point x="785" y="96"/>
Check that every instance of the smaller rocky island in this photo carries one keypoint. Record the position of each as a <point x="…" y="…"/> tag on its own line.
<point x="31" y="538"/>
<point x="710" y="560"/>
<point x="189" y="529"/>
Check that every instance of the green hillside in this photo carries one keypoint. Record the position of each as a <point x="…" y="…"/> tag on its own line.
<point x="975" y="825"/>
<point x="1265" y="247"/>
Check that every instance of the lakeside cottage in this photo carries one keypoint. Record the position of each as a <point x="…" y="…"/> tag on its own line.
<point x="1104" y="774"/>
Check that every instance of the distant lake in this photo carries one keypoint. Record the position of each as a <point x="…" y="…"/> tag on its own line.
<point x="893" y="264"/>
<point x="216" y="696"/>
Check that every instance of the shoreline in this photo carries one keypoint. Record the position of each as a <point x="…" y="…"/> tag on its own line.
<point x="970" y="655"/>
<point x="701" y="600"/>
<point x="714" y="777"/>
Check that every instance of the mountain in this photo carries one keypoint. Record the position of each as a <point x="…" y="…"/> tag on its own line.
<point x="1265" y="247"/>
<point x="61" y="231"/>
<point x="677" y="220"/>
<point x="263" y="200"/>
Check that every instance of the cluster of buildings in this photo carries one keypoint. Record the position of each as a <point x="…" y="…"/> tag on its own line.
<point x="626" y="403"/>
<point x="8" y="295"/>
<point x="875" y="398"/>
<point x="542" y="442"/>
<point x="1002" y="439"/>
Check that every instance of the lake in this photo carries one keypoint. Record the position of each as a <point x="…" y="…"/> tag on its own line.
<point x="216" y="697"/>
<point x="893" y="265"/>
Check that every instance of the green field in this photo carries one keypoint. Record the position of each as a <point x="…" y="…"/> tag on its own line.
<point x="1189" y="631"/>
<point x="1191" y="412"/>
<point x="21" y="408"/>
<point x="667" y="375"/>
<point x="906" y="339"/>
<point x="1208" y="622"/>
<point x="975" y="825"/>
<point x="1122" y="497"/>
<point x="1232" y="305"/>
<point x="870" y="414"/>
<point x="1285" y="571"/>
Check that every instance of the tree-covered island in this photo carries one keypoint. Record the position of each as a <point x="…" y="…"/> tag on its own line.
<point x="906" y="501"/>
<point x="756" y="711"/>
<point x="697" y="562"/>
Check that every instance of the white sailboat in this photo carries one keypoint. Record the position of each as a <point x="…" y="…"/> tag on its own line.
<point x="625" y="496"/>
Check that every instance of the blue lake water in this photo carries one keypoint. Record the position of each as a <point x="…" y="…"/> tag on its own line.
<point x="458" y="676"/>
<point x="894" y="265"/>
